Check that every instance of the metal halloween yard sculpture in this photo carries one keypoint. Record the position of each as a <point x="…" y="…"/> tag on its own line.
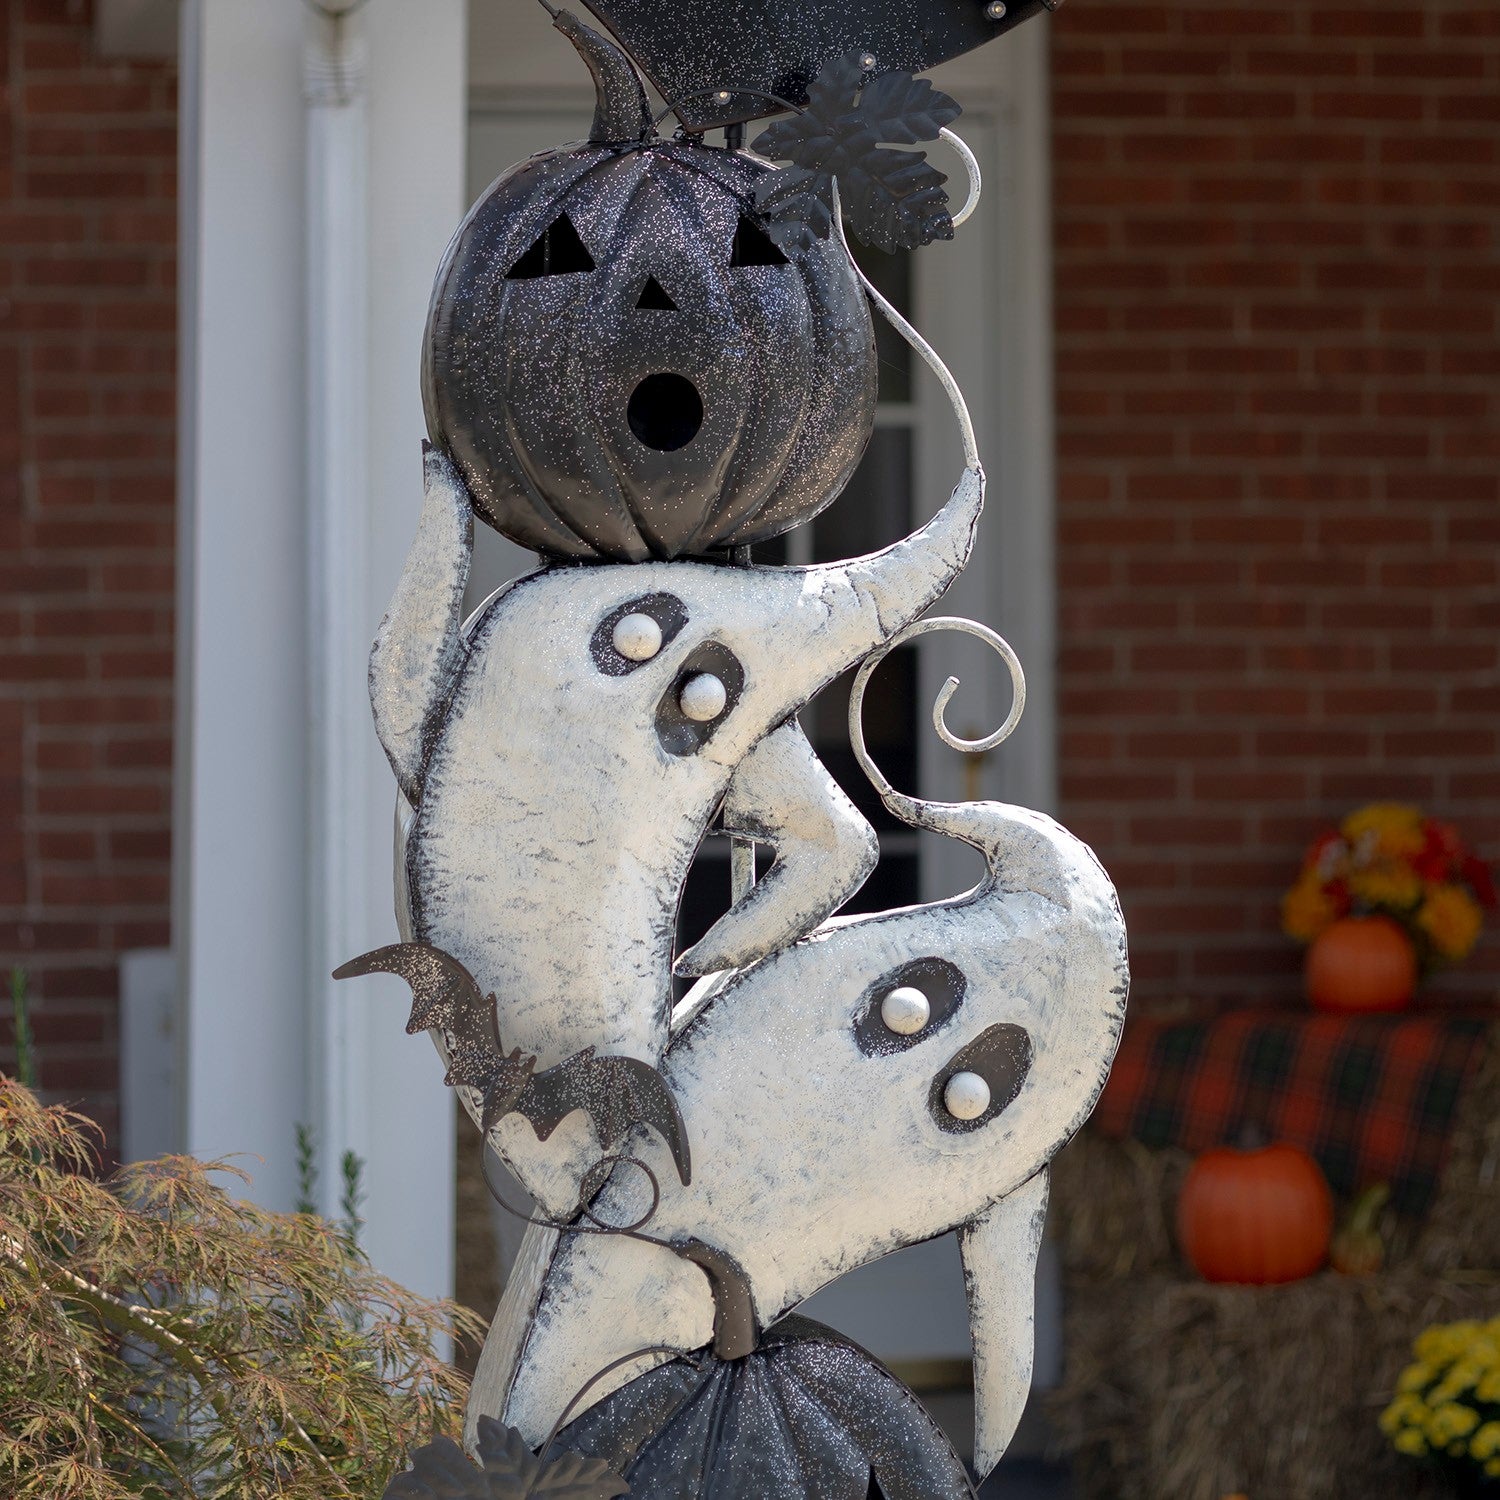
<point x="643" y="356"/>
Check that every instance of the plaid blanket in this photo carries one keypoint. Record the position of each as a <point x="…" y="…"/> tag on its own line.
<point x="1372" y="1098"/>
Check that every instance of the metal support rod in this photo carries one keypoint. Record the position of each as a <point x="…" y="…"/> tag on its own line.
<point x="741" y="851"/>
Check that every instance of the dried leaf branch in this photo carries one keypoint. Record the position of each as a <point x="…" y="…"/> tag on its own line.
<point x="164" y="1338"/>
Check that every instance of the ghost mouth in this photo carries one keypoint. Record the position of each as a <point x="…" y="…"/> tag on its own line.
<point x="665" y="412"/>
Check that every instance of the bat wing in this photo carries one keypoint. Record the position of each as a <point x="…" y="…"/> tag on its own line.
<point x="617" y="1092"/>
<point x="445" y="995"/>
<point x="442" y="990"/>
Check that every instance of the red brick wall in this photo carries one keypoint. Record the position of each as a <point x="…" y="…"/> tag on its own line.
<point x="87" y="296"/>
<point x="1278" y="265"/>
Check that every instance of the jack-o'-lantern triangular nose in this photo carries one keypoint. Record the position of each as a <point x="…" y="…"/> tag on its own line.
<point x="655" y="295"/>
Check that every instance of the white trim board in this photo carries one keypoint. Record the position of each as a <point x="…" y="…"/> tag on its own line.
<point x="249" y="935"/>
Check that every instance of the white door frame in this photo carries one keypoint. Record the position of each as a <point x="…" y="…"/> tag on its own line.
<point x="300" y="419"/>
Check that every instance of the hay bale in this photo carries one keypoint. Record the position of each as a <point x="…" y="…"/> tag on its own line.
<point x="1113" y="1206"/>
<point x="1177" y="1390"/>
<point x="1462" y="1231"/>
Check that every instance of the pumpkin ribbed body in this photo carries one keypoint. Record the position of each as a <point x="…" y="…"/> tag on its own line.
<point x="1258" y="1217"/>
<point x="623" y="366"/>
<point x="1361" y="964"/>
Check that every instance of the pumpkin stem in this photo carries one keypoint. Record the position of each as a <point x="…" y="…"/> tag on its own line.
<point x="1367" y="1207"/>
<point x="621" y="112"/>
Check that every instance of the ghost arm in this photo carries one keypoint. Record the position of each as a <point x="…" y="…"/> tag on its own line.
<point x="419" y="646"/>
<point x="783" y="795"/>
<point x="1000" y="1250"/>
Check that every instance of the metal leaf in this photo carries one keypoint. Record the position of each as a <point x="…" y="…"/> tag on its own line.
<point x="439" y="1471"/>
<point x="903" y="110"/>
<point x="507" y="1458"/>
<point x="798" y="206"/>
<point x="442" y="1471"/>
<point x="894" y="199"/>
<point x="898" y="201"/>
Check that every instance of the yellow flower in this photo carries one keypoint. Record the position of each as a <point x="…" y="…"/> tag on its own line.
<point x="1486" y="1442"/>
<point x="1451" y="1420"/>
<point x="1488" y="1389"/>
<point x="1393" y="828"/>
<point x="1492" y="1468"/>
<point x="1411" y="1442"/>
<point x="1416" y="1377"/>
<point x="1306" y="909"/>
<point x="1451" y="918"/>
<point x="1386" y="883"/>
<point x="1405" y="1411"/>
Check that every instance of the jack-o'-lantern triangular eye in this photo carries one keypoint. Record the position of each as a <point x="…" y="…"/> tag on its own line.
<point x="556" y="252"/>
<point x="753" y="246"/>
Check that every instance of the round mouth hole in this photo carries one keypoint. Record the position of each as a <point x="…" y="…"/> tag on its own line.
<point x="665" y="412"/>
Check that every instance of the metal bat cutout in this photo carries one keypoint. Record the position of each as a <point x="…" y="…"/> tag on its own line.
<point x="878" y="1083"/>
<point x="615" y="1092"/>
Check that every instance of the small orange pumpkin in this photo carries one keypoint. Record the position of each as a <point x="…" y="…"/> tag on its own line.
<point x="1259" y="1217"/>
<point x="1361" y="964"/>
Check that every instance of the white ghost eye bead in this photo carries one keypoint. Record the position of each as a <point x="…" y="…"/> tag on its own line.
<point x="703" y="698"/>
<point x="637" y="637"/>
<point x="967" y="1096"/>
<point x="905" y="1010"/>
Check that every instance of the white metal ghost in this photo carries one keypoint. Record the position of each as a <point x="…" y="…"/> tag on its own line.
<point x="838" y="1137"/>
<point x="557" y="788"/>
<point x="847" y="1086"/>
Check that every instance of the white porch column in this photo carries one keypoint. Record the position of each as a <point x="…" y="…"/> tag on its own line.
<point x="311" y="231"/>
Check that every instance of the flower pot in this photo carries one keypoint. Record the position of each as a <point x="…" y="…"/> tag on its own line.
<point x="1361" y="964"/>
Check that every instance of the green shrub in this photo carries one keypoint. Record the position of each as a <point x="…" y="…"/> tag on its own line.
<point x="160" y="1337"/>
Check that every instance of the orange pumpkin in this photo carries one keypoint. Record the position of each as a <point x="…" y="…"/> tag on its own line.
<point x="1361" y="964"/>
<point x="1258" y="1217"/>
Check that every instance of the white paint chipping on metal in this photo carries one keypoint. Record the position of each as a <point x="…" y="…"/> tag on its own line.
<point x="783" y="795"/>
<point x="1000" y="1250"/>
<point x="818" y="1157"/>
<point x="418" y="650"/>
<point x="553" y="831"/>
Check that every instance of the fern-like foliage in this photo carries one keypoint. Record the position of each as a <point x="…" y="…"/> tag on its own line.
<point x="161" y="1338"/>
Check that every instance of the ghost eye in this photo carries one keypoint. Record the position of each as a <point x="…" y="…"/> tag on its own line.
<point x="753" y="246"/>
<point x="906" y="1010"/>
<point x="908" y="1005"/>
<point x="636" y="633"/>
<point x="557" y="252"/>
<point x="703" y="695"/>
<point x="982" y="1079"/>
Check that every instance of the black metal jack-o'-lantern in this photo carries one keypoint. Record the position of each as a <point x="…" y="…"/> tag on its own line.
<point x="623" y="364"/>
